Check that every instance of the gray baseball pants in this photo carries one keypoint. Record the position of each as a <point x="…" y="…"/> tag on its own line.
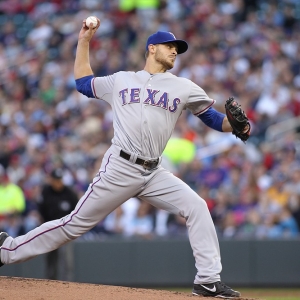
<point x="117" y="181"/>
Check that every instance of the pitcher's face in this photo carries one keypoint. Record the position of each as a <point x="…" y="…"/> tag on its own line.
<point x="166" y="54"/>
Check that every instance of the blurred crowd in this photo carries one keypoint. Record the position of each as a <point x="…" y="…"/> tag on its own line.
<point x="246" y="49"/>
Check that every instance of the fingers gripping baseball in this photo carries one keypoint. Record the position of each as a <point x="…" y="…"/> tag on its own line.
<point x="89" y="26"/>
<point x="238" y="119"/>
<point x="92" y="22"/>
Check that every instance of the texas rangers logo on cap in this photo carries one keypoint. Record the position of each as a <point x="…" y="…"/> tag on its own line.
<point x="162" y="37"/>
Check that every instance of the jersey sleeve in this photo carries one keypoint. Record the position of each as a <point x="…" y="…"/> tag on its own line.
<point x="198" y="101"/>
<point x="103" y="87"/>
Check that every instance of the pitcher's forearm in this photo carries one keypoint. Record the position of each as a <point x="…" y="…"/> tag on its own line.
<point x="82" y="65"/>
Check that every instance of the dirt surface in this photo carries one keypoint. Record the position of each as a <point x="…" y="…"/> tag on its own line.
<point x="13" y="288"/>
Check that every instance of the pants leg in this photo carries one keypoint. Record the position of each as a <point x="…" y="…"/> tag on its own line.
<point x="109" y="190"/>
<point x="166" y="191"/>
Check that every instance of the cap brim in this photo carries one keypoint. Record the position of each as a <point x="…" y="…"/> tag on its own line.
<point x="181" y="44"/>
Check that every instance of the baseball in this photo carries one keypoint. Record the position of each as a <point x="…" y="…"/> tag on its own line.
<point x="91" y="20"/>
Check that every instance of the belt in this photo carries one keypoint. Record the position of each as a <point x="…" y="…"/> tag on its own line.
<point x="147" y="164"/>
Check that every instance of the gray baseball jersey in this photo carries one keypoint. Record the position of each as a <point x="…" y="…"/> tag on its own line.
<point x="145" y="110"/>
<point x="146" y="107"/>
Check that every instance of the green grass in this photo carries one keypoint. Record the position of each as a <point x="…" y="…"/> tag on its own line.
<point x="259" y="293"/>
<point x="271" y="294"/>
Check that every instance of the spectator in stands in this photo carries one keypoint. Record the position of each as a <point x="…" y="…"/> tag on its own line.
<point x="277" y="193"/>
<point x="57" y="200"/>
<point x="12" y="205"/>
<point x="214" y="174"/>
<point x="295" y="209"/>
<point x="288" y="224"/>
<point x="12" y="200"/>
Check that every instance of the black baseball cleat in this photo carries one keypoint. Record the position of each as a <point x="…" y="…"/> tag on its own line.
<point x="3" y="236"/>
<point x="217" y="289"/>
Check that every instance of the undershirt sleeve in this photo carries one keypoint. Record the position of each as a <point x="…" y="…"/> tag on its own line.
<point x="212" y="118"/>
<point x="83" y="86"/>
<point x="96" y="87"/>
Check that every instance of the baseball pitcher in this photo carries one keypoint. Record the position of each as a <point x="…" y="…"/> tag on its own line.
<point x="146" y="105"/>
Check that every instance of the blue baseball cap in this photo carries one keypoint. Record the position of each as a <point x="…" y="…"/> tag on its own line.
<point x="162" y="37"/>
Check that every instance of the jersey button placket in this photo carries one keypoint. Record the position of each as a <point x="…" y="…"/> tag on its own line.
<point x="145" y="131"/>
<point x="143" y="124"/>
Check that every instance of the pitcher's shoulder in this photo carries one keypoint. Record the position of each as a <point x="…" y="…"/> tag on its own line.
<point x="123" y="73"/>
<point x="126" y="73"/>
<point x="181" y="79"/>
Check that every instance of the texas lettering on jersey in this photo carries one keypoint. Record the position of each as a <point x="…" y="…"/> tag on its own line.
<point x="154" y="98"/>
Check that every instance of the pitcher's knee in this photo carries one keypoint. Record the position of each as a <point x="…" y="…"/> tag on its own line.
<point x="73" y="232"/>
<point x="197" y="207"/>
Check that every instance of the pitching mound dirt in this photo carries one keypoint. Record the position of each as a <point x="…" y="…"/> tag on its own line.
<point x="13" y="288"/>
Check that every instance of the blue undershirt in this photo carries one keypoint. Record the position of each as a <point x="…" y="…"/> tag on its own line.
<point x="213" y="119"/>
<point x="83" y="86"/>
